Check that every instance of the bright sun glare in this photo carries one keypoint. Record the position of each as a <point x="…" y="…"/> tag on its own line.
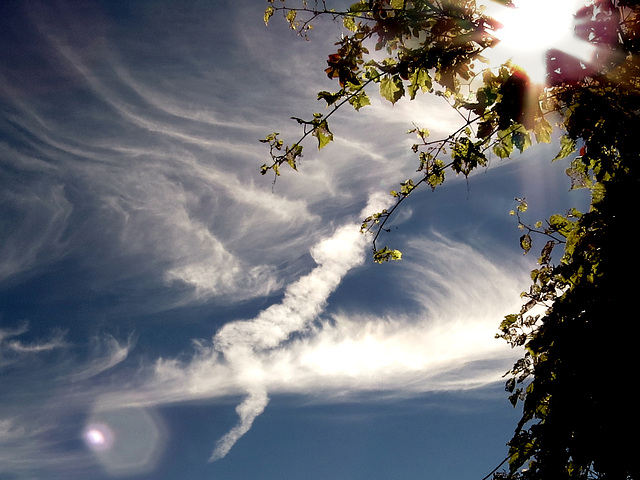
<point x="531" y="28"/>
<point x="98" y="437"/>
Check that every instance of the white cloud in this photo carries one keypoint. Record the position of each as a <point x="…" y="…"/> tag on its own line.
<point x="170" y="191"/>
<point x="105" y="353"/>
<point x="252" y="406"/>
<point x="448" y="344"/>
<point x="13" y="349"/>
<point x="166" y="181"/>
<point x="242" y="342"/>
<point x="445" y="341"/>
<point x="20" y="347"/>
<point x="34" y="235"/>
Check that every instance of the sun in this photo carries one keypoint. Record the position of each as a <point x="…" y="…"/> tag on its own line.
<point x="533" y="27"/>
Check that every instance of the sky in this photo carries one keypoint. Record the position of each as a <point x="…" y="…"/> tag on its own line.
<point x="168" y="313"/>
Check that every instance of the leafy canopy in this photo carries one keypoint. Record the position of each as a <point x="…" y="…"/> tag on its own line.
<point x="576" y="367"/>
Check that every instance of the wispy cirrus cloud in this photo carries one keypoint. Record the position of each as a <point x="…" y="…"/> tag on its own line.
<point x="14" y="346"/>
<point x="105" y="353"/>
<point x="167" y="195"/>
<point x="152" y="175"/>
<point x="33" y="224"/>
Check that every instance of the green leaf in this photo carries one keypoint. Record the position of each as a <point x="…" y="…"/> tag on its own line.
<point x="525" y="243"/>
<point x="466" y="156"/>
<point x="597" y="193"/>
<point x="567" y="147"/>
<point x="291" y="17"/>
<point x="391" y="88"/>
<point x="407" y="187"/>
<point x="561" y="224"/>
<point x="329" y="97"/>
<point x="542" y="130"/>
<point x="349" y="23"/>
<point x="435" y="173"/>
<point x="361" y="6"/>
<point x="508" y="321"/>
<point x="359" y="100"/>
<point x="268" y="13"/>
<point x="386" y="254"/>
<point x="323" y="134"/>
<point x="419" y="80"/>
<point x="521" y="139"/>
<point x="422" y="133"/>
<point x="522" y="205"/>
<point x="291" y="156"/>
<point x="270" y="138"/>
<point x="504" y="144"/>
<point x="503" y="149"/>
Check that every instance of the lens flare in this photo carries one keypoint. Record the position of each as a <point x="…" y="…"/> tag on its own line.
<point x="125" y="441"/>
<point x="98" y="437"/>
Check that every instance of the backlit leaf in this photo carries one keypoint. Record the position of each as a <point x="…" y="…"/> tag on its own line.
<point x="525" y="243"/>
<point x="391" y="88"/>
<point x="291" y="17"/>
<point x="350" y="24"/>
<point x="268" y="13"/>
<point x="386" y="254"/>
<point x="323" y="134"/>
<point x="419" y="81"/>
<point x="359" y="100"/>
<point x="567" y="147"/>
<point x="542" y="130"/>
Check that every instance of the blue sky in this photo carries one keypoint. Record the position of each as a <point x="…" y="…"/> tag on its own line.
<point x="166" y="313"/>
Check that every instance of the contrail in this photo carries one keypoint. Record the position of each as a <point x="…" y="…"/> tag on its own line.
<point x="303" y="301"/>
<point x="248" y="410"/>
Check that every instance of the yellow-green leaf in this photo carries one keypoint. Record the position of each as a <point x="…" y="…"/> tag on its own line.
<point x="567" y="147"/>
<point x="542" y="130"/>
<point x="268" y="13"/>
<point x="386" y="254"/>
<point x="349" y="23"/>
<point x="359" y="100"/>
<point x="323" y="134"/>
<point x="391" y="88"/>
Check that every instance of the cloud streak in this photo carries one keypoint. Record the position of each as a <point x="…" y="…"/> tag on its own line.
<point x="106" y="352"/>
<point x="14" y="349"/>
<point x="40" y="214"/>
